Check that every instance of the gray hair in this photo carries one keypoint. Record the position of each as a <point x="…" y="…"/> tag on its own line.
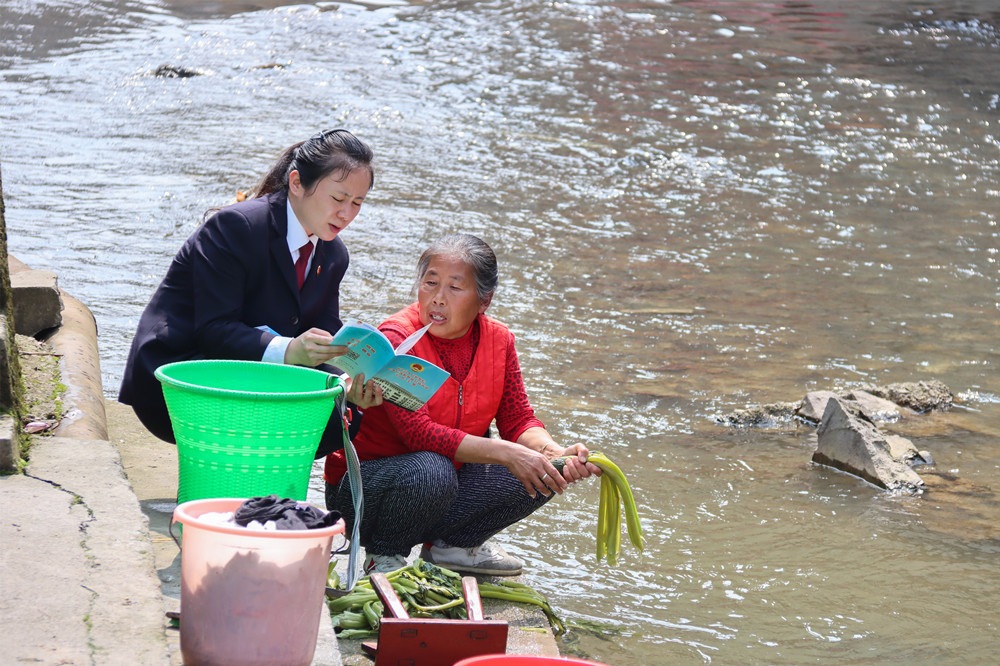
<point x="474" y="252"/>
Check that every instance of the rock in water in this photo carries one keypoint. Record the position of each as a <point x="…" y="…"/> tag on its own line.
<point x="814" y="404"/>
<point x="879" y="409"/>
<point x="921" y="396"/>
<point x="850" y="441"/>
<point x="174" y="72"/>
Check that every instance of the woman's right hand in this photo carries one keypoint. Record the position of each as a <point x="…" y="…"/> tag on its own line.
<point x="312" y="348"/>
<point x="534" y="470"/>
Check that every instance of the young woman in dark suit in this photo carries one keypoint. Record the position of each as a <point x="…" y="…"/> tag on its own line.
<point x="260" y="280"/>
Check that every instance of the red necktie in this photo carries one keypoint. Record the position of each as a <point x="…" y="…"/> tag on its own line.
<point x="302" y="261"/>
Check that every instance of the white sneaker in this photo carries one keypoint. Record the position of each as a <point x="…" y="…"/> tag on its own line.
<point x="488" y="559"/>
<point x="383" y="563"/>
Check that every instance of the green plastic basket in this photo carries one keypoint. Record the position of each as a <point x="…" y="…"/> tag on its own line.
<point x="246" y="428"/>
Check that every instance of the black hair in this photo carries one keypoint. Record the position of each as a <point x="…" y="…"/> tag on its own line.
<point x="333" y="151"/>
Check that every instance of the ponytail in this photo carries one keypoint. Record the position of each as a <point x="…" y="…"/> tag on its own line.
<point x="333" y="151"/>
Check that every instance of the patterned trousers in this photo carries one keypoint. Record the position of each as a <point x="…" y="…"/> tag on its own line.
<point x="420" y="497"/>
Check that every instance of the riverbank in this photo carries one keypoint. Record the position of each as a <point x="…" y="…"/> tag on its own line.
<point x="90" y="567"/>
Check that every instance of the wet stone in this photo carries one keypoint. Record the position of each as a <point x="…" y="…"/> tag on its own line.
<point x="879" y="409"/>
<point x="771" y="415"/>
<point x="850" y="441"/>
<point x="922" y="396"/>
<point x="175" y="72"/>
<point x="814" y="404"/>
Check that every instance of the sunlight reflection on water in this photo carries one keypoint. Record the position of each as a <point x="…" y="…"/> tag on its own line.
<point x="697" y="206"/>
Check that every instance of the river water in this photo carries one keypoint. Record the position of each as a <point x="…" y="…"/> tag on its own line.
<point x="698" y="206"/>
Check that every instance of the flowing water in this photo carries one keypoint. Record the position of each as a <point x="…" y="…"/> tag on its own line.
<point x="698" y="206"/>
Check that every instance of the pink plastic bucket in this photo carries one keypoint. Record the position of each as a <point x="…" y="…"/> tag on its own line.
<point x="250" y="598"/>
<point x="524" y="660"/>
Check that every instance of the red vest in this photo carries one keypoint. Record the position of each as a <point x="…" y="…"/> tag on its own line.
<point x="470" y="406"/>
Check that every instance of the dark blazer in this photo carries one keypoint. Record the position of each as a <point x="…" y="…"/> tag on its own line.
<point x="233" y="274"/>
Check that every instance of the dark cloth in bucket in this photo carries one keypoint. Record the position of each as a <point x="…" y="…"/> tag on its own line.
<point x="288" y="514"/>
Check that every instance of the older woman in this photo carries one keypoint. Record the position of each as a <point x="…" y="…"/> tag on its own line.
<point x="435" y="476"/>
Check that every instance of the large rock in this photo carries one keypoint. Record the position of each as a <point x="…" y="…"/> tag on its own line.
<point x="850" y="441"/>
<point x="37" y="303"/>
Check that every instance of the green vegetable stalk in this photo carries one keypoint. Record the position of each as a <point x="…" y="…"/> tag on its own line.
<point x="425" y="590"/>
<point x="615" y="494"/>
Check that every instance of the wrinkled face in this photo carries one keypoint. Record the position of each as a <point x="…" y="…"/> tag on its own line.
<point x="332" y="204"/>
<point x="448" y="298"/>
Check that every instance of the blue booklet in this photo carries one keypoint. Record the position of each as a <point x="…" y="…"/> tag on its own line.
<point x="406" y="381"/>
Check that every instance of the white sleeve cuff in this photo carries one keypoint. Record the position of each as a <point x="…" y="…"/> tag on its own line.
<point x="275" y="352"/>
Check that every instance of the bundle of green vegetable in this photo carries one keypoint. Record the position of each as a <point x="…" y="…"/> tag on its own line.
<point x="615" y="492"/>
<point x="426" y="590"/>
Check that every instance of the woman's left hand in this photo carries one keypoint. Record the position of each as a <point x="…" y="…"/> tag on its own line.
<point x="577" y="467"/>
<point x="363" y="394"/>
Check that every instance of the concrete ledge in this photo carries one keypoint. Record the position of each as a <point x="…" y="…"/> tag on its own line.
<point x="75" y="342"/>
<point x="79" y="583"/>
<point x="36" y="300"/>
<point x="43" y="601"/>
<point x="15" y="265"/>
<point x="84" y="590"/>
